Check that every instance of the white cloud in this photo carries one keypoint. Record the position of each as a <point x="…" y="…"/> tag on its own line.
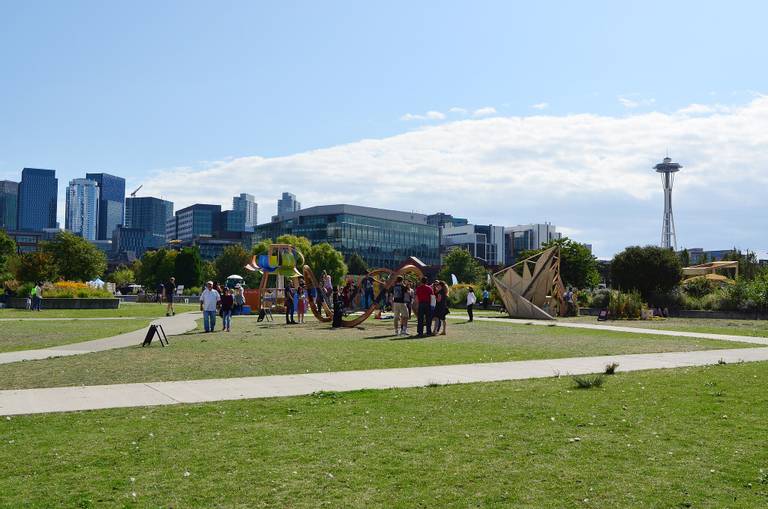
<point x="411" y="116"/>
<point x="430" y="115"/>
<point x="540" y="106"/>
<point x="703" y="109"/>
<point x="457" y="110"/>
<point x="592" y="173"/>
<point x="635" y="103"/>
<point x="484" y="112"/>
<point x="435" y="115"/>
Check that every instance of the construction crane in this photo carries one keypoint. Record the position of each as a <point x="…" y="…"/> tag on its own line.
<point x="133" y="194"/>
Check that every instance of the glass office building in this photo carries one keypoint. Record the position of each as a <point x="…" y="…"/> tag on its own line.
<point x="9" y="204"/>
<point x="82" y="208"/>
<point x="111" y="203"/>
<point x="151" y="215"/>
<point x="38" y="199"/>
<point x="246" y="203"/>
<point x="383" y="238"/>
<point x="196" y="220"/>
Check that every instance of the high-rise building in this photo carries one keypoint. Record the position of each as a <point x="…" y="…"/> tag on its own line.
<point x="38" y="199"/>
<point x="111" y="203"/>
<point x="484" y="242"/>
<point x="527" y="236"/>
<point x="9" y="204"/>
<point x="247" y="203"/>
<point x="197" y="220"/>
<point x="151" y="215"/>
<point x="287" y="204"/>
<point x="82" y="208"/>
<point x="442" y="219"/>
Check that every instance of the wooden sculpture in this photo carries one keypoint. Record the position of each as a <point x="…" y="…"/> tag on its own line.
<point x="532" y="288"/>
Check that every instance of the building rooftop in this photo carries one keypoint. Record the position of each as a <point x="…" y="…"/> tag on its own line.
<point x="322" y="210"/>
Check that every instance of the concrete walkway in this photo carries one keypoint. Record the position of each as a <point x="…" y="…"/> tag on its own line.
<point x="172" y="325"/>
<point x="67" y="399"/>
<point x="618" y="328"/>
<point x="71" y="319"/>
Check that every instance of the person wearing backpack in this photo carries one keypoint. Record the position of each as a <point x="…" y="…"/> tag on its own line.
<point x="398" y="306"/>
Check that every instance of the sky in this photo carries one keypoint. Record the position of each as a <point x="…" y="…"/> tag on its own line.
<point x="503" y="112"/>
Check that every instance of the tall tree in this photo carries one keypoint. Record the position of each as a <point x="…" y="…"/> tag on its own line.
<point x="303" y="244"/>
<point x="463" y="265"/>
<point x="122" y="276"/>
<point x="357" y="265"/>
<point x="232" y="260"/>
<point x="189" y="267"/>
<point x="653" y="271"/>
<point x="76" y="258"/>
<point x="323" y="257"/>
<point x="685" y="258"/>
<point x="36" y="266"/>
<point x="7" y="254"/>
<point x="156" y="267"/>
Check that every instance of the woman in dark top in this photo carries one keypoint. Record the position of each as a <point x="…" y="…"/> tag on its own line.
<point x="338" y="308"/>
<point x="441" y="305"/>
<point x="227" y="303"/>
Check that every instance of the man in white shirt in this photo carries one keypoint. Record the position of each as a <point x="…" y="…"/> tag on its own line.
<point x="209" y="302"/>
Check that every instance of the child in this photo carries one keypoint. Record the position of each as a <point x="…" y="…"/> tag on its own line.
<point x="302" y="302"/>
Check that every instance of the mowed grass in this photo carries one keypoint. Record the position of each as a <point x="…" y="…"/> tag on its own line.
<point x="34" y="334"/>
<point x="758" y="328"/>
<point x="255" y="349"/>
<point x="125" y="310"/>
<point x="666" y="438"/>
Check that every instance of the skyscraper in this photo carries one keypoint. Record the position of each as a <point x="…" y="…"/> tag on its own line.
<point x="111" y="203"/>
<point x="246" y="203"/>
<point x="9" y="204"/>
<point x="149" y="214"/>
<point x="82" y="210"/>
<point x="287" y="204"/>
<point x="37" y="199"/>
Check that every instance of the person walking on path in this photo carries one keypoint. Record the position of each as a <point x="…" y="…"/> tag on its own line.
<point x="424" y="295"/>
<point x="209" y="302"/>
<point x="170" y="291"/>
<point x="288" y="298"/>
<point x="398" y="307"/>
<point x="471" y="299"/>
<point x="441" y="307"/>
<point x="239" y="299"/>
<point x="227" y="304"/>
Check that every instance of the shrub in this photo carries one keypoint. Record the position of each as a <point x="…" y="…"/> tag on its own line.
<point x="610" y="369"/>
<point x="457" y="297"/>
<point x="627" y="305"/>
<point x="698" y="287"/>
<point x="600" y="298"/>
<point x="194" y="290"/>
<point x="588" y="382"/>
<point x="72" y="289"/>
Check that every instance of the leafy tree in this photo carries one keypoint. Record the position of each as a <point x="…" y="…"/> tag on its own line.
<point x="578" y="266"/>
<point x="262" y="247"/>
<point x="323" y="257"/>
<point x="122" y="276"/>
<point x="156" y="267"/>
<point x="76" y="258"/>
<point x="651" y="270"/>
<point x="188" y="267"/>
<point x="303" y="244"/>
<point x="463" y="265"/>
<point x="749" y="266"/>
<point x="357" y="265"/>
<point x="232" y="260"/>
<point x="7" y="254"/>
<point x="36" y="266"/>
<point x="209" y="271"/>
<point x="685" y="258"/>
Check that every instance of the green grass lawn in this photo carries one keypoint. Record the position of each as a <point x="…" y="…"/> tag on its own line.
<point x="666" y="438"/>
<point x="707" y="325"/>
<point x="31" y="335"/>
<point x="255" y="349"/>
<point x="125" y="310"/>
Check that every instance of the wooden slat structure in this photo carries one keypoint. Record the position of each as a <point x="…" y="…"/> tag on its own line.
<point x="532" y="288"/>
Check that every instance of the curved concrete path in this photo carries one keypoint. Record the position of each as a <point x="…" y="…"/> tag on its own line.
<point x="172" y="325"/>
<point x="68" y="399"/>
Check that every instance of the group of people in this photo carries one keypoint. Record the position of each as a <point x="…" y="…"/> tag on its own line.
<point x="35" y="298"/>
<point x="223" y="301"/>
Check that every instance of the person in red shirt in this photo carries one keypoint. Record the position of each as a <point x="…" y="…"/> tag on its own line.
<point x="423" y="310"/>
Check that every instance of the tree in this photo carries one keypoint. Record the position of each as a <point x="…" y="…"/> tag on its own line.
<point x="303" y="244"/>
<point x="463" y="265"/>
<point x="578" y="266"/>
<point x="123" y="276"/>
<point x="357" y="265"/>
<point x="685" y="258"/>
<point x="188" y="267"/>
<point x="232" y="260"/>
<point x="156" y="267"/>
<point x="7" y="254"/>
<point x="36" y="266"/>
<point x="323" y="257"/>
<point x="749" y="266"/>
<point x="262" y="247"/>
<point x="651" y="270"/>
<point x="76" y="258"/>
<point x="209" y="271"/>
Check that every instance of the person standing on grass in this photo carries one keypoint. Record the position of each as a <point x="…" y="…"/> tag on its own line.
<point x="170" y="291"/>
<point x="227" y="304"/>
<point x="367" y="292"/>
<point x="209" y="302"/>
<point x="239" y="299"/>
<point x="471" y="299"/>
<point x="37" y="297"/>
<point x="408" y="298"/>
<point x="441" y="307"/>
<point x="338" y="308"/>
<point x="301" y="299"/>
<point x="398" y="306"/>
<point x="424" y="295"/>
<point x="327" y="285"/>
<point x="486" y="298"/>
<point x="288" y="302"/>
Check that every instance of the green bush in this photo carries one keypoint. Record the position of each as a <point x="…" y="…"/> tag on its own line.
<point x="24" y="290"/>
<point x="457" y="297"/>
<point x="627" y="305"/>
<point x="698" y="287"/>
<point x="194" y="290"/>
<point x="600" y="298"/>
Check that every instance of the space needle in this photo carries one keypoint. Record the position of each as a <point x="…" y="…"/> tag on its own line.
<point x="667" y="169"/>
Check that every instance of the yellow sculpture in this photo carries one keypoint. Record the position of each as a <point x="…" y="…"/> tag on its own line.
<point x="532" y="288"/>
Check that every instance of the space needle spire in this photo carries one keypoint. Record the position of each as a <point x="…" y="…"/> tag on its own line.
<point x="667" y="169"/>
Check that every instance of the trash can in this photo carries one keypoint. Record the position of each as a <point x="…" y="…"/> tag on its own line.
<point x="246" y="309"/>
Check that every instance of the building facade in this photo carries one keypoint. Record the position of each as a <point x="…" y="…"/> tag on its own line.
<point x="38" y="199"/>
<point x="287" y="204"/>
<point x="82" y="208"/>
<point x="383" y="238"/>
<point x="151" y="215"/>
<point x="442" y="219"/>
<point x="111" y="203"/>
<point x="9" y="204"/>
<point x="131" y="241"/>
<point x="194" y="221"/>
<point x="246" y="203"/>
<point x="484" y="242"/>
<point x="528" y="236"/>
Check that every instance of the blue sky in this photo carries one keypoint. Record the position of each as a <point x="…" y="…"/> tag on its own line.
<point x="230" y="91"/>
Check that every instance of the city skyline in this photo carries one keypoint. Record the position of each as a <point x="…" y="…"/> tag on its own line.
<point x="419" y="107"/>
